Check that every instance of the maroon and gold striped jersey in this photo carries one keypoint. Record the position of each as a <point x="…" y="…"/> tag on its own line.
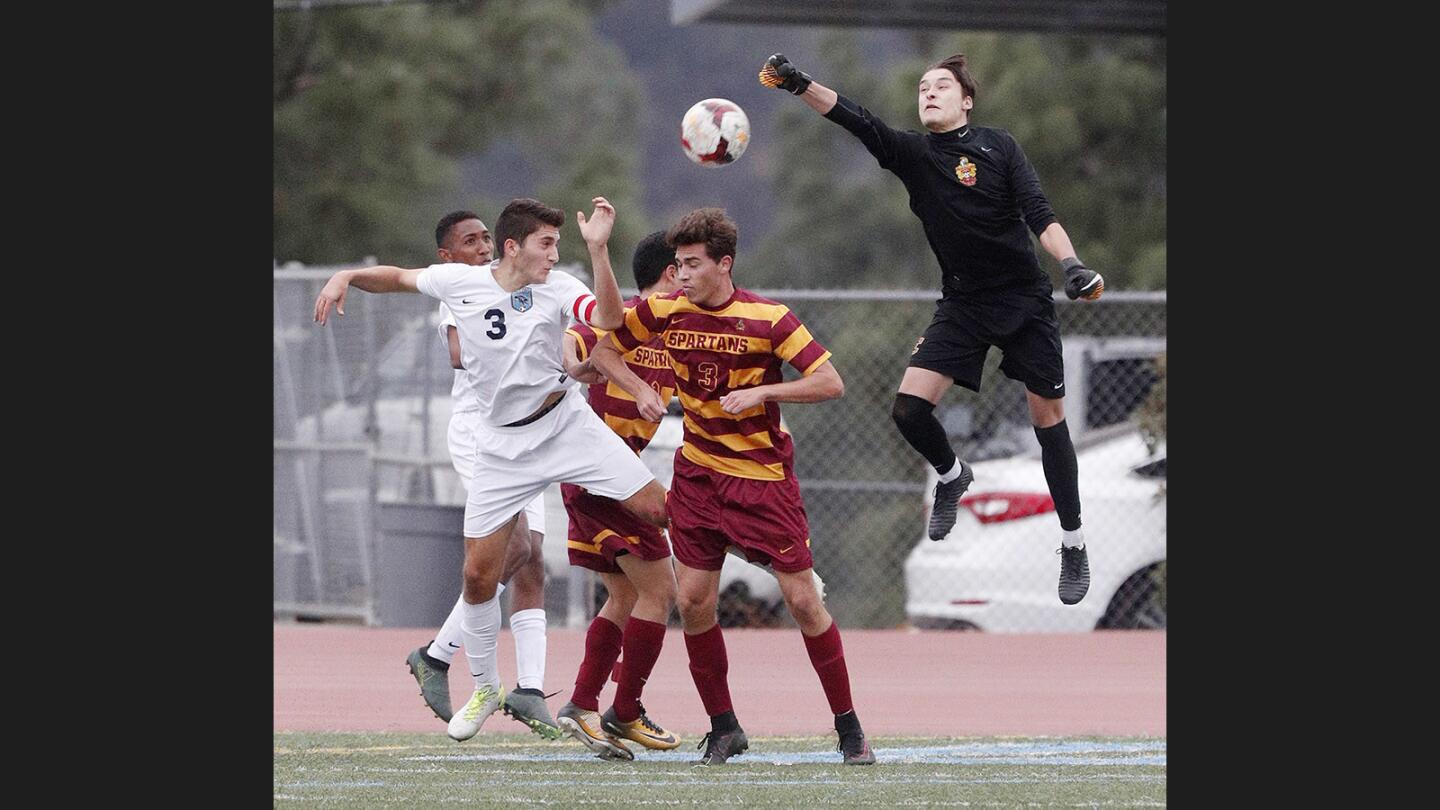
<point x="739" y="344"/>
<point x="610" y="401"/>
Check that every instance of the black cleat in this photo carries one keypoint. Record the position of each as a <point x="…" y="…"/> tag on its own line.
<point x="431" y="674"/>
<point x="1074" y="574"/>
<point x="947" y="502"/>
<point x="856" y="748"/>
<point x="720" y="747"/>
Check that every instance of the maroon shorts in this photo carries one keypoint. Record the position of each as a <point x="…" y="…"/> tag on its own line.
<point x="764" y="519"/>
<point x="601" y="529"/>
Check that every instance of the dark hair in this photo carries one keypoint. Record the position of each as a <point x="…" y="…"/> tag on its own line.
<point x="523" y="217"/>
<point x="450" y="220"/>
<point x="956" y="65"/>
<point x="708" y="225"/>
<point x="652" y="256"/>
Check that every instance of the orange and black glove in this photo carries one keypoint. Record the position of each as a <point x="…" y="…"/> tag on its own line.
<point x="778" y="72"/>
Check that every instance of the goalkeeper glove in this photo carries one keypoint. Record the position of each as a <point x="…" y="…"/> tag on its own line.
<point x="1081" y="281"/>
<point x="778" y="72"/>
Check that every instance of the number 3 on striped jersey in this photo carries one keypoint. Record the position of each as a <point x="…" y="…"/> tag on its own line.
<point x="709" y="375"/>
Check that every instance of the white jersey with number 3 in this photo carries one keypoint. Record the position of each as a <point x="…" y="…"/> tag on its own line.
<point x="510" y="342"/>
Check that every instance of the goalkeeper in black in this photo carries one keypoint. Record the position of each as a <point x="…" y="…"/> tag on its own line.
<point x="977" y="196"/>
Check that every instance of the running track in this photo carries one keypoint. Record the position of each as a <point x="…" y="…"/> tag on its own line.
<point x="1109" y="683"/>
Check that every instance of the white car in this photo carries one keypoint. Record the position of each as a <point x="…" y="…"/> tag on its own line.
<point x="998" y="568"/>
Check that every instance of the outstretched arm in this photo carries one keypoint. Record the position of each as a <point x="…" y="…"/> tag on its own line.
<point x="819" y="385"/>
<point x="779" y="72"/>
<point x="380" y="279"/>
<point x="883" y="142"/>
<point x="609" y="307"/>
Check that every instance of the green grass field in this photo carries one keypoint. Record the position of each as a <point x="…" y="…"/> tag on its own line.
<point x="374" y="770"/>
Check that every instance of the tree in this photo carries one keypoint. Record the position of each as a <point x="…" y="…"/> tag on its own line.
<point x="375" y="107"/>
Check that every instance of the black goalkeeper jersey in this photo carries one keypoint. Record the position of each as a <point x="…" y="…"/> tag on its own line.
<point x="974" y="192"/>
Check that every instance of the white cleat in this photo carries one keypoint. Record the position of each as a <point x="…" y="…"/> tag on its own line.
<point x="467" y="722"/>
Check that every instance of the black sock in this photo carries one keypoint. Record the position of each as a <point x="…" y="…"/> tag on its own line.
<point x="1057" y="456"/>
<point x="435" y="663"/>
<point x="916" y="419"/>
<point x="724" y="723"/>
<point x="847" y="722"/>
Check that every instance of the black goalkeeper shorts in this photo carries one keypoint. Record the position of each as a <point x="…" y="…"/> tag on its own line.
<point x="1020" y="323"/>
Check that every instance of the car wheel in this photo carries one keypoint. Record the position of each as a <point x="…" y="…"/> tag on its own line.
<point x="1139" y="603"/>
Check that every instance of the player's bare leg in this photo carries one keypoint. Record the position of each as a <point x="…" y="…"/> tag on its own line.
<point x="709" y="667"/>
<point x="649" y="504"/>
<point x="484" y="562"/>
<point x="914" y="414"/>
<point x="581" y="716"/>
<point x="431" y="665"/>
<point x="654" y="582"/>
<point x="1057" y="456"/>
<point x="827" y="655"/>
<point x="526" y="703"/>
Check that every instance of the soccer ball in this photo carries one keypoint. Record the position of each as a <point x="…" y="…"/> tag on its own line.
<point x="714" y="132"/>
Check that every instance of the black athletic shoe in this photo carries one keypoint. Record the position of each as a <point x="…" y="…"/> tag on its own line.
<point x="1074" y="574"/>
<point x="720" y="747"/>
<point x="947" y="502"/>
<point x="856" y="748"/>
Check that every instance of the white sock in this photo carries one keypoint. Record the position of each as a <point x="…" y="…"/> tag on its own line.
<point x="450" y="638"/>
<point x="952" y="473"/>
<point x="481" y="625"/>
<point x="1073" y="539"/>
<point x="529" y="629"/>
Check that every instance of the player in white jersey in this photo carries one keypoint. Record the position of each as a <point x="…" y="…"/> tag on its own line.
<point x="510" y="316"/>
<point x="461" y="236"/>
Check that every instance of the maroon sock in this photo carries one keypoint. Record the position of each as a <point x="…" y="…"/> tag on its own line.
<point x="828" y="657"/>
<point x="602" y="647"/>
<point x="709" y="666"/>
<point x="643" y="640"/>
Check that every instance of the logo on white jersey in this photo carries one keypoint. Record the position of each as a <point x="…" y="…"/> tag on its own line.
<point x="522" y="300"/>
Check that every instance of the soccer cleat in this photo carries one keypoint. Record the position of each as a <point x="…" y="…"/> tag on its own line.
<point x="641" y="730"/>
<point x="947" y="502"/>
<point x="528" y="706"/>
<point x="856" y="748"/>
<point x="586" y="727"/>
<point x="1074" y="573"/>
<point x="433" y="677"/>
<point x="720" y="747"/>
<point x="466" y="722"/>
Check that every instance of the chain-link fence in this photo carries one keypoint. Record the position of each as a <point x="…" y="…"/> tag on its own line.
<point x="362" y="406"/>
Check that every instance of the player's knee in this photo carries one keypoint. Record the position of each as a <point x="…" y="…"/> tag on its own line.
<point x="695" y="608"/>
<point x="909" y="410"/>
<point x="665" y="594"/>
<point x="655" y="513"/>
<point x="806" y="608"/>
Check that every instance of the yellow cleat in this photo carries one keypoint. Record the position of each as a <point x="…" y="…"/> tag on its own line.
<point x="642" y="730"/>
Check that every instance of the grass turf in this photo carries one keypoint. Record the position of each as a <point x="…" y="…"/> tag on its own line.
<point x="377" y="770"/>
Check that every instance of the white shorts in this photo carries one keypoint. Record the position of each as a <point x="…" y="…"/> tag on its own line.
<point x="570" y="444"/>
<point x="464" y="425"/>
